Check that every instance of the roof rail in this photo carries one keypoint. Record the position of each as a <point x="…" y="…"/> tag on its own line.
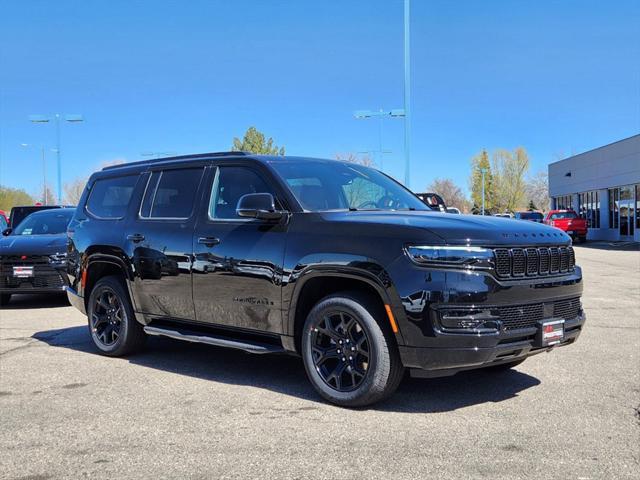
<point x="179" y="157"/>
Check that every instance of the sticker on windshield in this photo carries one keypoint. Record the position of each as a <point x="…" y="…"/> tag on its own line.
<point x="27" y="231"/>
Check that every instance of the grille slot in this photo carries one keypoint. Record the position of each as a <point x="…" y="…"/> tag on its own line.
<point x="517" y="262"/>
<point x="533" y="261"/>
<point x="555" y="260"/>
<point x="503" y="262"/>
<point x="544" y="260"/>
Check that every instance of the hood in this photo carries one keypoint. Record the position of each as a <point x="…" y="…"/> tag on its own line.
<point x="33" y="244"/>
<point x="460" y="229"/>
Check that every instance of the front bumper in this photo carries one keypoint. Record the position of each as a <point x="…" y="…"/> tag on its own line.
<point x="518" y="305"/>
<point x="507" y="347"/>
<point x="45" y="279"/>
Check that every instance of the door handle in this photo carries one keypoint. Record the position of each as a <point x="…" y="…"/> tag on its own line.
<point x="209" y="241"/>
<point x="136" y="237"/>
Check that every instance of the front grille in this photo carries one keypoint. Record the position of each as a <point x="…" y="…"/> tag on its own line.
<point x="515" y="317"/>
<point x="38" y="281"/>
<point x="532" y="261"/>
<point x="567" y="309"/>
<point x="44" y="275"/>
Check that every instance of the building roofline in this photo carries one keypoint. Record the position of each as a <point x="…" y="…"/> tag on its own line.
<point x="597" y="148"/>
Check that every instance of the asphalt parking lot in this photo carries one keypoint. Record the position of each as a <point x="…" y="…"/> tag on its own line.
<point x="191" y="411"/>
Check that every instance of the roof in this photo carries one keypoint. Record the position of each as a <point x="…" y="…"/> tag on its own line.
<point x="597" y="148"/>
<point x="216" y="156"/>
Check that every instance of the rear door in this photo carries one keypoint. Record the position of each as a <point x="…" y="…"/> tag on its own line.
<point x="160" y="237"/>
<point x="237" y="272"/>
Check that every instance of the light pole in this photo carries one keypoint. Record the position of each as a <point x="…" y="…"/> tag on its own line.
<point x="380" y="113"/>
<point x="483" y="171"/>
<point x="44" y="172"/>
<point x="407" y="95"/>
<point x="57" y="117"/>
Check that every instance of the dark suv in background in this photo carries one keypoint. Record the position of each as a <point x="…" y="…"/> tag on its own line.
<point x="333" y="261"/>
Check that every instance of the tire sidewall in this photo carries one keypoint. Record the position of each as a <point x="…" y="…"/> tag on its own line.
<point x="377" y="349"/>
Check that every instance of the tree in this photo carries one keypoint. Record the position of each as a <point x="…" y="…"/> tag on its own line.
<point x="364" y="160"/>
<point x="478" y="163"/>
<point x="45" y="196"/>
<point x="10" y="197"/>
<point x="537" y="190"/>
<point x="509" y="169"/>
<point x="254" y="141"/>
<point x="532" y="206"/>
<point x="451" y="193"/>
<point x="73" y="191"/>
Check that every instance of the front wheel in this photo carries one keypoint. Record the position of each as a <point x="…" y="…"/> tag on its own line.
<point x="350" y="356"/>
<point x="112" y="324"/>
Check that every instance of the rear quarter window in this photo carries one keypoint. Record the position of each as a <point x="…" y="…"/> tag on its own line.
<point x="110" y="197"/>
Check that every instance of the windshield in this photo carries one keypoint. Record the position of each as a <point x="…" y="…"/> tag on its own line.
<point x="49" y="222"/>
<point x="559" y="215"/>
<point x="328" y="185"/>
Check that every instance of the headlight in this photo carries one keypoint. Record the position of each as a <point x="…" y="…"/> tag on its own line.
<point x="58" y="258"/>
<point x="451" y="256"/>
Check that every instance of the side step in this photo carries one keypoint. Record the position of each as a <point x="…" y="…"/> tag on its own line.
<point x="197" y="337"/>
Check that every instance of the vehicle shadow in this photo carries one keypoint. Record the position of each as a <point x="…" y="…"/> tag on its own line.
<point x="285" y="374"/>
<point x="48" y="300"/>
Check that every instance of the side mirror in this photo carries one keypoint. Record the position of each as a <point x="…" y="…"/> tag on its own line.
<point x="7" y="231"/>
<point x="258" y="205"/>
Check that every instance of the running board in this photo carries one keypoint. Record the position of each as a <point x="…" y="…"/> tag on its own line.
<point x="194" y="337"/>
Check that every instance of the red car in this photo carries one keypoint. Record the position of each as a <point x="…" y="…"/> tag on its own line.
<point x="569" y="222"/>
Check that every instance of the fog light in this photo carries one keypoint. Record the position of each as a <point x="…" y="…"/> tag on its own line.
<point x="469" y="320"/>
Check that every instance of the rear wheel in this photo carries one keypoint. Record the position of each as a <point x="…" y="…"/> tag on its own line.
<point x="112" y="324"/>
<point x="351" y="359"/>
<point x="4" y="299"/>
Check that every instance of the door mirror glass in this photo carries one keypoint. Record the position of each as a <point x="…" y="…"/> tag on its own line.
<point x="258" y="205"/>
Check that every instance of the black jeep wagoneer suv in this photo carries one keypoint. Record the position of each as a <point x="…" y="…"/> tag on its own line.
<point x="333" y="261"/>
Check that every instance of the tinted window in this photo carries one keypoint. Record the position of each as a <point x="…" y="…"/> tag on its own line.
<point x="171" y="193"/>
<point x="232" y="183"/>
<point x="50" y="222"/>
<point x="529" y="215"/>
<point x="109" y="197"/>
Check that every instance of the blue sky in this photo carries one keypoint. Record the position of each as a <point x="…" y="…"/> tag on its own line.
<point x="557" y="77"/>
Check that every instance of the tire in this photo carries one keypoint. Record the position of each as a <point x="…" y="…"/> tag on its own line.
<point x="112" y="324"/>
<point x="5" y="298"/>
<point x="369" y="374"/>
<point x="506" y="365"/>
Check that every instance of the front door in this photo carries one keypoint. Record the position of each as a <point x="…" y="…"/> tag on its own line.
<point x="161" y="241"/>
<point x="237" y="271"/>
<point x="626" y="210"/>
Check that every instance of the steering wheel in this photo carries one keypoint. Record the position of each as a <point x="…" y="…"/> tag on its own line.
<point x="387" y="202"/>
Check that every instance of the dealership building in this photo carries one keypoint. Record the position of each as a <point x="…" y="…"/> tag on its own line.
<point x="602" y="186"/>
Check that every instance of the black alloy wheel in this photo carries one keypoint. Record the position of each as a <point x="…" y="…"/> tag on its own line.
<point x="112" y="323"/>
<point x="340" y="349"/>
<point x="106" y="317"/>
<point x="349" y="352"/>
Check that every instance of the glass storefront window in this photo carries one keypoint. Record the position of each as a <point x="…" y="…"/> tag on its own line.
<point x="589" y="208"/>
<point x="638" y="205"/>
<point x="564" y="202"/>
<point x="614" y="198"/>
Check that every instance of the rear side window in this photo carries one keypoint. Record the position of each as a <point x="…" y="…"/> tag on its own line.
<point x="171" y="193"/>
<point x="109" y="197"/>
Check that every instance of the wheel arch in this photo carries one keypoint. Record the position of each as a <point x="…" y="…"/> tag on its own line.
<point x="315" y="285"/>
<point x="100" y="264"/>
